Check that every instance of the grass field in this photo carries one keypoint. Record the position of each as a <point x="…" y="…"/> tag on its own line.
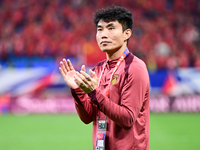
<point x="170" y="131"/>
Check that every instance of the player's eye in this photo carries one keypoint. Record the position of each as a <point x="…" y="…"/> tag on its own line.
<point x="99" y="29"/>
<point x="110" y="28"/>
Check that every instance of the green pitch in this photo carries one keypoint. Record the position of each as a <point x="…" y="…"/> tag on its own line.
<point x="44" y="132"/>
<point x="175" y="131"/>
<point x="170" y="131"/>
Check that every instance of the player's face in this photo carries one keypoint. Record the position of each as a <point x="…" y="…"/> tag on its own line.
<point x="110" y="36"/>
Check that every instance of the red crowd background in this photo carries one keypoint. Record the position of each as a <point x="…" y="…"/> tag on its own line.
<point x="165" y="32"/>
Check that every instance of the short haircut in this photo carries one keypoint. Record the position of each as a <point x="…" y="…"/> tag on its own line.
<point x="115" y="13"/>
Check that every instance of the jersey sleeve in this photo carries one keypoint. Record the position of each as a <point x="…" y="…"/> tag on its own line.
<point x="83" y="105"/>
<point x="132" y="98"/>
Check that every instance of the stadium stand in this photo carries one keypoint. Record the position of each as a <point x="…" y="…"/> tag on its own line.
<point x="35" y="32"/>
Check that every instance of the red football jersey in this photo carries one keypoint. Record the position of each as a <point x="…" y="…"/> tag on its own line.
<point x="127" y="108"/>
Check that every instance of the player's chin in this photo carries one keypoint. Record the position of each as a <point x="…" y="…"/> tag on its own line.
<point x="105" y="49"/>
<point x="110" y="49"/>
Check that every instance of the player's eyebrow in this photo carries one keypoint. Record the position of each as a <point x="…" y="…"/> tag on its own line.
<point x="108" y="25"/>
<point x="99" y="26"/>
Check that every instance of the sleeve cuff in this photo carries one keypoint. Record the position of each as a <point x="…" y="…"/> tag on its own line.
<point x="93" y="98"/>
<point x="74" y="94"/>
<point x="92" y="95"/>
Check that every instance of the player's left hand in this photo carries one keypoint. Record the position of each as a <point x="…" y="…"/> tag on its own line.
<point x="87" y="83"/>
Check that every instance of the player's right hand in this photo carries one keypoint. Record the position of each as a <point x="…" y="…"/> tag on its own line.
<point x="68" y="72"/>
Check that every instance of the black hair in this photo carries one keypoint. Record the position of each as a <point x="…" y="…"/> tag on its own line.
<point x="115" y="13"/>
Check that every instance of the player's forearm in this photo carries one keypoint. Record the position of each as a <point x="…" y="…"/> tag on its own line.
<point x="83" y="105"/>
<point x="83" y="115"/>
<point x="119" y="114"/>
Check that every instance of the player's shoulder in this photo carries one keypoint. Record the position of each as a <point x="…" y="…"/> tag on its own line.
<point x="136" y="63"/>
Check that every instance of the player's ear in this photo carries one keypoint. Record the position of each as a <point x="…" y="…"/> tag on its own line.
<point x="127" y="34"/>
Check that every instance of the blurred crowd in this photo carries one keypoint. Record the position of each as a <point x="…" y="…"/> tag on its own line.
<point x="165" y="32"/>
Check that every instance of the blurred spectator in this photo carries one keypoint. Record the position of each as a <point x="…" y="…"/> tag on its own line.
<point x="165" y="32"/>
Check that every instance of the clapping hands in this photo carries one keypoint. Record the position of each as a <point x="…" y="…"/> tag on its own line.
<point x="75" y="79"/>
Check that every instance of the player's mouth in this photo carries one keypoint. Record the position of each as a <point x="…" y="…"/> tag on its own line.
<point x="105" y="42"/>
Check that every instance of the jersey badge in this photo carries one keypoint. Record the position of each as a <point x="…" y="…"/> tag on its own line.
<point x="114" y="79"/>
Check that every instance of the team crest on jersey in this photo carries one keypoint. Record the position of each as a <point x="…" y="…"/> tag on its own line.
<point x="114" y="79"/>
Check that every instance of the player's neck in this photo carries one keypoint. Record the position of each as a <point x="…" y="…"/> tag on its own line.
<point x="116" y="54"/>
